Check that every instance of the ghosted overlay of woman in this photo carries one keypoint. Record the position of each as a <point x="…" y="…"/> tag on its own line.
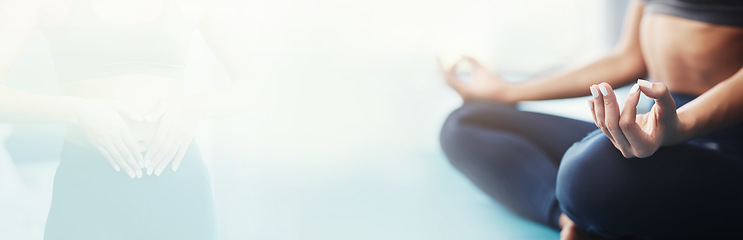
<point x="128" y="169"/>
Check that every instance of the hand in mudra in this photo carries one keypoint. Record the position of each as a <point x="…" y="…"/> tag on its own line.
<point x="483" y="85"/>
<point x="636" y="135"/>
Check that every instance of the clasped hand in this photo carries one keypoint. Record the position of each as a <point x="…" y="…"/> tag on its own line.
<point x="102" y="122"/>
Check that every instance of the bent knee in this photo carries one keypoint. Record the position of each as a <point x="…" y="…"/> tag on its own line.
<point x="590" y="180"/>
<point x="465" y="131"/>
<point x="453" y="131"/>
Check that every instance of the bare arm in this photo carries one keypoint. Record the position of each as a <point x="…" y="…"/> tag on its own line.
<point x="619" y="68"/>
<point x="228" y="42"/>
<point x="719" y="107"/>
<point x="18" y="22"/>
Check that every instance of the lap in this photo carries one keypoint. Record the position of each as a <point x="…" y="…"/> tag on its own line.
<point x="552" y="134"/>
<point x="92" y="201"/>
<point x="686" y="188"/>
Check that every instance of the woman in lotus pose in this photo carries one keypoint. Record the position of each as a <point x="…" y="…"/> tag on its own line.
<point x="675" y="172"/>
<point x="128" y="169"/>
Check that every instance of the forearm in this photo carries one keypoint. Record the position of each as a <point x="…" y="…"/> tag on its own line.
<point x="719" y="107"/>
<point x="21" y="107"/>
<point x="615" y="69"/>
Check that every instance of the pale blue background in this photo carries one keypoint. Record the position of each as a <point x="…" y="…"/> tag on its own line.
<point x="344" y="144"/>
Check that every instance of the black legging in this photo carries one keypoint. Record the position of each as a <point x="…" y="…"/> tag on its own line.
<point x="690" y="190"/>
<point x="91" y="201"/>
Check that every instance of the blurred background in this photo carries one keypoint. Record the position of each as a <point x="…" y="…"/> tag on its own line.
<point x="344" y="142"/>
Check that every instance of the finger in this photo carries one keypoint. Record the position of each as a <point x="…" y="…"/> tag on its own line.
<point x="474" y="62"/>
<point x="630" y="104"/>
<point x="155" y="144"/>
<point x="450" y="75"/>
<point x="128" y="157"/>
<point x="440" y="62"/>
<point x="598" y="110"/>
<point x="611" y="119"/>
<point x="114" y="152"/>
<point x="110" y="160"/>
<point x="158" y="110"/>
<point x="166" y="157"/>
<point x="659" y="92"/>
<point x="628" y="122"/>
<point x="133" y="149"/>
<point x="127" y="111"/>
<point x="179" y="156"/>
<point x="158" y="155"/>
<point x="593" y="112"/>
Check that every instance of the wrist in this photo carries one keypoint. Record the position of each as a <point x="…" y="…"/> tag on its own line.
<point x="71" y="107"/>
<point x="684" y="129"/>
<point x="507" y="93"/>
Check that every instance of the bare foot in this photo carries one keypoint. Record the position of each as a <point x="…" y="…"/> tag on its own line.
<point x="570" y="231"/>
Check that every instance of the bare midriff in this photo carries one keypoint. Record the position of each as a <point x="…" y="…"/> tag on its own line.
<point x="689" y="56"/>
<point x="140" y="92"/>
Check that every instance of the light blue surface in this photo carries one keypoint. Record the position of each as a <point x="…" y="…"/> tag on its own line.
<point x="424" y="199"/>
<point x="364" y="164"/>
<point x="360" y="163"/>
<point x="345" y="145"/>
